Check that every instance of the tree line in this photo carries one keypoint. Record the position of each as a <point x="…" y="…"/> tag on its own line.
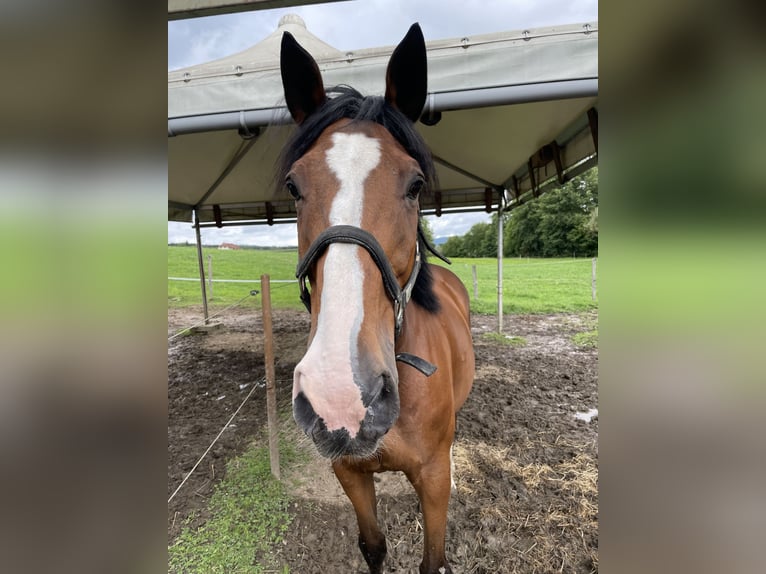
<point x="562" y="222"/>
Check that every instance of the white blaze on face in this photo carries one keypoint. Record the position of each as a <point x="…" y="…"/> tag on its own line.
<point x="325" y="373"/>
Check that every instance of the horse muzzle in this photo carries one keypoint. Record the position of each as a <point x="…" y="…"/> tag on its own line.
<point x="348" y="423"/>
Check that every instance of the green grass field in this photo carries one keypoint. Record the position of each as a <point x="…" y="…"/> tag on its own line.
<point x="243" y="264"/>
<point x="529" y="285"/>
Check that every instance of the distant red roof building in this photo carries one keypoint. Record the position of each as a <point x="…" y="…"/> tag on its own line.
<point x="228" y="246"/>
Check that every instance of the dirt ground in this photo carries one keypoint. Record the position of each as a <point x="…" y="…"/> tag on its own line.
<point x="526" y="465"/>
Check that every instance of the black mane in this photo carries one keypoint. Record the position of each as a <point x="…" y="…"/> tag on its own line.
<point x="346" y="102"/>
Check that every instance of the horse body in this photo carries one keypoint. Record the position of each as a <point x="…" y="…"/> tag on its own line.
<point x="356" y="175"/>
<point x="419" y="443"/>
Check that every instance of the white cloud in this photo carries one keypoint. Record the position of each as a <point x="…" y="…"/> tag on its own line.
<point x="355" y="25"/>
<point x="284" y="234"/>
<point x="456" y="223"/>
<point x="279" y="235"/>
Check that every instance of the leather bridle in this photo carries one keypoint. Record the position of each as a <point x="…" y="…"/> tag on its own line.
<point x="399" y="295"/>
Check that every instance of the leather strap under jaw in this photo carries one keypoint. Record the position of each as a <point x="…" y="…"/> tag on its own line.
<point x="416" y="362"/>
<point x="431" y="248"/>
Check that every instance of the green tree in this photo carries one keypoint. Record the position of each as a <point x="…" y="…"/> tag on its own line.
<point x="453" y="247"/>
<point x="481" y="240"/>
<point x="560" y="223"/>
<point x="557" y="224"/>
<point x="521" y="237"/>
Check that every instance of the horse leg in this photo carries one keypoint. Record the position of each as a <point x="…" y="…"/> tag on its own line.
<point x="360" y="489"/>
<point x="433" y="487"/>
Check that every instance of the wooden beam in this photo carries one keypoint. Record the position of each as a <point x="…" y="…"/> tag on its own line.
<point x="557" y="161"/>
<point x="488" y="199"/>
<point x="593" y="123"/>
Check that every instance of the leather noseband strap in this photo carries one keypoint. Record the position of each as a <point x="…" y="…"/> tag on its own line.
<point x="347" y="234"/>
<point x="399" y="295"/>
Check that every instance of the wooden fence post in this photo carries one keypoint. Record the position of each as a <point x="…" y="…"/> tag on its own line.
<point x="271" y="393"/>
<point x="475" y="283"/>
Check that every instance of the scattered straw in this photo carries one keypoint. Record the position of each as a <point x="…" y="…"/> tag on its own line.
<point x="553" y="516"/>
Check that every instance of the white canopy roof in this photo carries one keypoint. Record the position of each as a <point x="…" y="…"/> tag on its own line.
<point x="507" y="101"/>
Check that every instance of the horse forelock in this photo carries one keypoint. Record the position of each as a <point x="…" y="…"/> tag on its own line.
<point x="344" y="102"/>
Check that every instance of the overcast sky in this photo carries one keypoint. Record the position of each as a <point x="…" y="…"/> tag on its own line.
<point x="350" y="25"/>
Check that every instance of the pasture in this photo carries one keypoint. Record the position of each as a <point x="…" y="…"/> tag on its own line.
<point x="526" y="463"/>
<point x="529" y="285"/>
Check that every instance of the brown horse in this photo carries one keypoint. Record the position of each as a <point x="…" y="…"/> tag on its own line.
<point x="381" y="382"/>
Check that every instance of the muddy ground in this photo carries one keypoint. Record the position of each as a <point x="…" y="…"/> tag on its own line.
<point x="526" y="466"/>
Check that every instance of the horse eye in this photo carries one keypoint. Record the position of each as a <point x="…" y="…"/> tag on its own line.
<point x="293" y="190"/>
<point x="415" y="188"/>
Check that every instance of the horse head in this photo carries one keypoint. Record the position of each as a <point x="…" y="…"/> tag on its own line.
<point x="355" y="167"/>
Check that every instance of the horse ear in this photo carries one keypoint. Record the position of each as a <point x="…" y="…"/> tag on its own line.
<point x="407" y="74"/>
<point x="301" y="80"/>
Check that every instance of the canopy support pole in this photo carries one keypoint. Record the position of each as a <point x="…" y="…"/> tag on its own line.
<point x="500" y="266"/>
<point x="201" y="266"/>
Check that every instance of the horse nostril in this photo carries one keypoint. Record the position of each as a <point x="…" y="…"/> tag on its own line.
<point x="383" y="407"/>
<point x="388" y="383"/>
<point x="384" y="386"/>
<point x="303" y="412"/>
